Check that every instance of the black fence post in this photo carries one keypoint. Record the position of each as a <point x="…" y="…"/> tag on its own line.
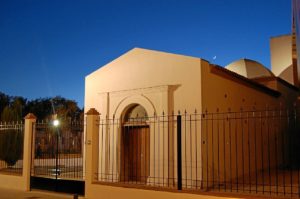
<point x="179" y="154"/>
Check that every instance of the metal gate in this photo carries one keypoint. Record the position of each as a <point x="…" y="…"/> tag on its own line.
<point x="57" y="163"/>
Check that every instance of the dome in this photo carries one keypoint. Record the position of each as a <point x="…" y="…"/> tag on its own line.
<point x="249" y="68"/>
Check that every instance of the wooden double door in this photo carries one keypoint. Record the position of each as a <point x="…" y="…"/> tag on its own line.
<point x="135" y="154"/>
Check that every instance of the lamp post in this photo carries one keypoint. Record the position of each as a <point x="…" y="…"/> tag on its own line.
<point x="56" y="124"/>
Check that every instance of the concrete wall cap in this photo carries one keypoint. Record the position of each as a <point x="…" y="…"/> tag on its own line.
<point x="30" y="116"/>
<point x="92" y="111"/>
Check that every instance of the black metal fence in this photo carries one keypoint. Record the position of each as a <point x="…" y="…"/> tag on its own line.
<point x="11" y="147"/>
<point x="58" y="151"/>
<point x="256" y="152"/>
<point x="251" y="152"/>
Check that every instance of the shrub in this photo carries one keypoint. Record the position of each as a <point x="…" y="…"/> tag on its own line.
<point x="11" y="146"/>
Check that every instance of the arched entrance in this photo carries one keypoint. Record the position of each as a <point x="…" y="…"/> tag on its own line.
<point x="135" y="145"/>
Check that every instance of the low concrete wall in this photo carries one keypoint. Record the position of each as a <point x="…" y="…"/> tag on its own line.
<point x="95" y="191"/>
<point x="13" y="182"/>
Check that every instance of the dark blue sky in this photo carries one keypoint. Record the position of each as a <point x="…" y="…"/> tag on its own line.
<point x="47" y="47"/>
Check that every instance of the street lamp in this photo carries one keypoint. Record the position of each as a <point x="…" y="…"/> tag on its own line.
<point x="56" y="124"/>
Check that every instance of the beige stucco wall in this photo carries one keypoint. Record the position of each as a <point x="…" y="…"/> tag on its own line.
<point x="288" y="95"/>
<point x="288" y="92"/>
<point x="224" y="94"/>
<point x="228" y="145"/>
<point x="160" y="82"/>
<point x="168" y="81"/>
<point x="281" y="57"/>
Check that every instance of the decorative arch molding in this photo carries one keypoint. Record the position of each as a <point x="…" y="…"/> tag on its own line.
<point x="128" y="101"/>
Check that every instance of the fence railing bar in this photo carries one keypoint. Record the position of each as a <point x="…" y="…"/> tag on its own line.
<point x="224" y="152"/>
<point x="230" y="152"/>
<point x="102" y="149"/>
<point x="218" y="152"/>
<point x="158" y="151"/>
<point x="154" y="160"/>
<point x="236" y="153"/>
<point x="212" y="151"/>
<point x="185" y="150"/>
<point x="249" y="153"/>
<point x="163" y="160"/>
<point x="269" y="153"/>
<point x="207" y="145"/>
<point x="179" y="153"/>
<point x="191" y="147"/>
<point x="290" y="130"/>
<point x="264" y="136"/>
<point x="255" y="152"/>
<point x="243" y="154"/>
<point x="262" y="123"/>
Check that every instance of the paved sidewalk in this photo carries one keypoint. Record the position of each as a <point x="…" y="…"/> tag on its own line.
<point x="35" y="194"/>
<point x="14" y="194"/>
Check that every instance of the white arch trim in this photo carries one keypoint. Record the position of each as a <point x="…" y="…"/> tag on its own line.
<point x="134" y="99"/>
